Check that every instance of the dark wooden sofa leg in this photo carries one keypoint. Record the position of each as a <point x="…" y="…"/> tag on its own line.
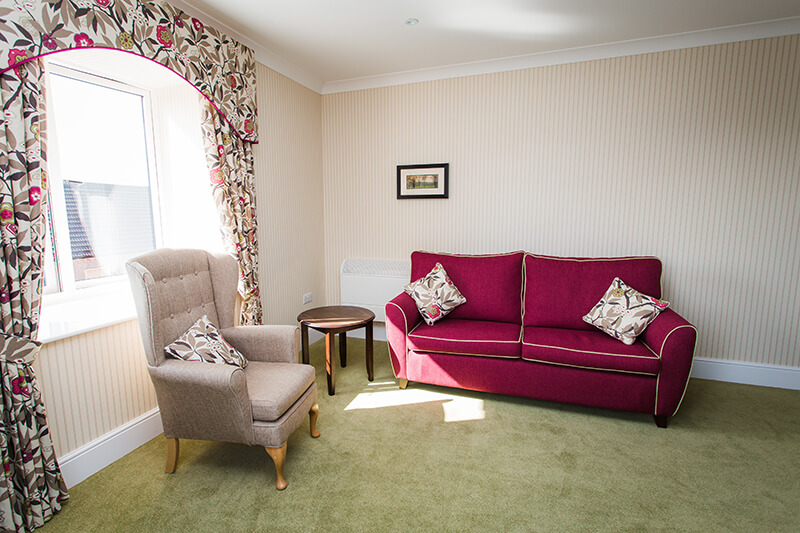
<point x="661" y="420"/>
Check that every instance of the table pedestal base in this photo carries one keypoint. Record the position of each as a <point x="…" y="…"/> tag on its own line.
<point x="309" y="319"/>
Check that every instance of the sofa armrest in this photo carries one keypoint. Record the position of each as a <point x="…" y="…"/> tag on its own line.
<point x="203" y="401"/>
<point x="271" y="344"/>
<point x="401" y="317"/>
<point x="673" y="339"/>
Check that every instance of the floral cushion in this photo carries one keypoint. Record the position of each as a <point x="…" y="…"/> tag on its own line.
<point x="623" y="312"/>
<point x="203" y="342"/>
<point x="435" y="295"/>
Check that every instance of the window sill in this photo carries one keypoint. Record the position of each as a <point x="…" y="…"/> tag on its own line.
<point x="65" y="315"/>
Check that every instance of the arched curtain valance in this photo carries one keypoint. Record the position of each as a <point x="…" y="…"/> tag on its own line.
<point x="218" y="66"/>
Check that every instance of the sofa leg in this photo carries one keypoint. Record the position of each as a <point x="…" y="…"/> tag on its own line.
<point x="403" y="383"/>
<point x="279" y="457"/>
<point x="312" y="418"/>
<point x="173" y="449"/>
<point x="661" y="420"/>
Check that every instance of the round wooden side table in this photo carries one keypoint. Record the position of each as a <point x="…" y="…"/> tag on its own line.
<point x="331" y="320"/>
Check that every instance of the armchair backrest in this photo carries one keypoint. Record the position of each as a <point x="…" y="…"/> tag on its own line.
<point x="173" y="288"/>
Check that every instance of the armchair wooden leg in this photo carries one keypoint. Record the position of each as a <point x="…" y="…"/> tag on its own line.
<point x="661" y="420"/>
<point x="279" y="457"/>
<point x="173" y="448"/>
<point x="312" y="417"/>
<point x="403" y="383"/>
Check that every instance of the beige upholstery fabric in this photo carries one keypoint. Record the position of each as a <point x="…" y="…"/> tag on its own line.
<point x="265" y="343"/>
<point x="274" y="387"/>
<point x="172" y="289"/>
<point x="275" y="433"/>
<point x="202" y="401"/>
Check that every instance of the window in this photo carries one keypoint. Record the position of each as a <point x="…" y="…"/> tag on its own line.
<point x="127" y="173"/>
<point x="102" y="179"/>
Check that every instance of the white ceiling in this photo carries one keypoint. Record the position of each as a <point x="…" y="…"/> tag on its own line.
<point x="323" y="42"/>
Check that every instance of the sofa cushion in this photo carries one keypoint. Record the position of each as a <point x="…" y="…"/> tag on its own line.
<point x="560" y="290"/>
<point x="587" y="349"/>
<point x="435" y="295"/>
<point x="623" y="312"/>
<point x="467" y="337"/>
<point x="274" y="387"/>
<point x="492" y="284"/>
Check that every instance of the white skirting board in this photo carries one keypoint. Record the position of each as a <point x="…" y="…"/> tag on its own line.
<point x="101" y="452"/>
<point x="93" y="457"/>
<point x="782" y="377"/>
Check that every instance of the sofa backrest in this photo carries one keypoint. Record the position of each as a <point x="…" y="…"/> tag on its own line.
<point x="492" y="284"/>
<point x="560" y="290"/>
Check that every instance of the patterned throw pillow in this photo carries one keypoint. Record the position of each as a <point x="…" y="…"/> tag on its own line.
<point x="623" y="312"/>
<point x="435" y="295"/>
<point x="203" y="342"/>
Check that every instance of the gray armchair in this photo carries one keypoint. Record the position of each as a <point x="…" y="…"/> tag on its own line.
<point x="261" y="404"/>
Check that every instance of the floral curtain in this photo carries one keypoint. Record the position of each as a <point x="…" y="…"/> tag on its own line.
<point x="218" y="66"/>
<point x="230" y="165"/>
<point x="222" y="69"/>
<point x="31" y="485"/>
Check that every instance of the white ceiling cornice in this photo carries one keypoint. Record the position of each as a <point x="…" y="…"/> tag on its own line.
<point x="263" y="55"/>
<point x="743" y="32"/>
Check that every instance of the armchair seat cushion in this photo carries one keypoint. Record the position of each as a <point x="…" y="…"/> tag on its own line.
<point x="467" y="337"/>
<point x="274" y="387"/>
<point x="588" y="349"/>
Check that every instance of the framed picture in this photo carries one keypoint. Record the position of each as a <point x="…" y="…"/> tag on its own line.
<point x="422" y="181"/>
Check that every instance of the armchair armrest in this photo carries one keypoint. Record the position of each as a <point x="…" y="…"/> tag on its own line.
<point x="401" y="317"/>
<point x="271" y="344"/>
<point x="673" y="339"/>
<point x="203" y="401"/>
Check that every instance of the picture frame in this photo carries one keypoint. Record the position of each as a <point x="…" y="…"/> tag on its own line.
<point x="422" y="181"/>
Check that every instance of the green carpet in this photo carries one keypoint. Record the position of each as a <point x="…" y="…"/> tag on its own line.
<point x="437" y="459"/>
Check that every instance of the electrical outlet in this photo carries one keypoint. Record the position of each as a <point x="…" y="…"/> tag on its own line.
<point x="307" y="297"/>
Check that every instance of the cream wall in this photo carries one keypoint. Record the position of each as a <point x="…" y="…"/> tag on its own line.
<point x="690" y="155"/>
<point x="288" y="166"/>
<point x="93" y="383"/>
<point x="189" y="217"/>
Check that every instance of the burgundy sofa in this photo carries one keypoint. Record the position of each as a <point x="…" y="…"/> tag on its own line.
<point x="521" y="333"/>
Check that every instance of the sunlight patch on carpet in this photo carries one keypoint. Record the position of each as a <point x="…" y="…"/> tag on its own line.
<point x="456" y="408"/>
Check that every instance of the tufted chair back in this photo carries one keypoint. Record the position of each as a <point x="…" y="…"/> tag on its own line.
<point x="174" y="288"/>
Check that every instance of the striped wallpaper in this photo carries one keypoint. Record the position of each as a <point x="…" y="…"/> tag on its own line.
<point x="93" y="383"/>
<point x="288" y="167"/>
<point x="690" y="155"/>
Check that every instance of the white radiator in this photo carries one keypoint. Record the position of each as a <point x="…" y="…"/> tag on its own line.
<point x="372" y="283"/>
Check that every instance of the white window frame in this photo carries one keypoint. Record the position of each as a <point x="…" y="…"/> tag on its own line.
<point x="72" y="307"/>
<point x="63" y="272"/>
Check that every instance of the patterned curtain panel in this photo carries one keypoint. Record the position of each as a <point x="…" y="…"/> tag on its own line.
<point x="218" y="66"/>
<point x="31" y="486"/>
<point x="230" y="164"/>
